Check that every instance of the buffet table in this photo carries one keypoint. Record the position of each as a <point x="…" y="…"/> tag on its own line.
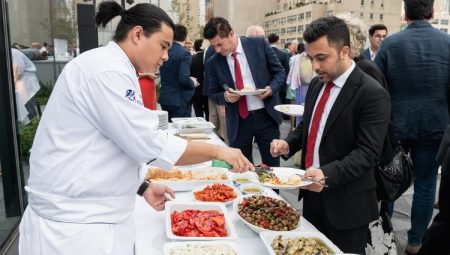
<point x="151" y="229"/>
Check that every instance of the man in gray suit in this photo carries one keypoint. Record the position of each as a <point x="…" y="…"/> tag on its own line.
<point x="415" y="62"/>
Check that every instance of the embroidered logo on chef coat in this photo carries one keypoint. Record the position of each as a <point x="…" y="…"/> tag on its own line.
<point x="130" y="94"/>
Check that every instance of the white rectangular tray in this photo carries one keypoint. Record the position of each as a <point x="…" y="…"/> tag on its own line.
<point x="268" y="236"/>
<point x="172" y="206"/>
<point x="192" y="125"/>
<point x="174" y="245"/>
<point x="188" y="185"/>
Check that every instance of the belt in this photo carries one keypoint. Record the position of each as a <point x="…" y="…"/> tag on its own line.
<point x="257" y="111"/>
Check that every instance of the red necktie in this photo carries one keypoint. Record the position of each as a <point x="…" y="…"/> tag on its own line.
<point x="309" y="158"/>
<point x="243" y="110"/>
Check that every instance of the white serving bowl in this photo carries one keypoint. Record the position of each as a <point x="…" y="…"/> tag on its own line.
<point x="201" y="187"/>
<point x="172" y="206"/>
<point x="255" y="228"/>
<point x="268" y="236"/>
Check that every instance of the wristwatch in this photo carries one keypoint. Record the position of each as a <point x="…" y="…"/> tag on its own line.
<point x="143" y="187"/>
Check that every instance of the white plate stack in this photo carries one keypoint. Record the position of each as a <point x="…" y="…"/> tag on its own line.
<point x="163" y="117"/>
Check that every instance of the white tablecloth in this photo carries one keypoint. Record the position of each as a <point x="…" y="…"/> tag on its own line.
<point x="151" y="229"/>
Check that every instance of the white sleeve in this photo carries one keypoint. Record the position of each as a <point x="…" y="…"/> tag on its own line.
<point x="107" y="101"/>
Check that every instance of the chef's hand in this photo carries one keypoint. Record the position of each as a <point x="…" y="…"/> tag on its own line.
<point x="268" y="93"/>
<point x="317" y="174"/>
<point x="155" y="195"/>
<point x="231" y="97"/>
<point x="279" y="147"/>
<point x="235" y="158"/>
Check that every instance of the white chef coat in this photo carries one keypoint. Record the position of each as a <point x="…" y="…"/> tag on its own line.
<point x="85" y="157"/>
<point x="25" y="82"/>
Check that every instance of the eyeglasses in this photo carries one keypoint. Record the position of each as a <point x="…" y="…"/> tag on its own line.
<point x="380" y="36"/>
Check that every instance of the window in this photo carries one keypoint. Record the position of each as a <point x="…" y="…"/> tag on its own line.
<point x="381" y="16"/>
<point x="361" y="15"/>
<point x="372" y="2"/>
<point x="283" y="31"/>
<point x="292" y="18"/>
<point x="301" y="16"/>
<point x="371" y="16"/>
<point x="382" y="4"/>
<point x="300" y="29"/>
<point x="444" y="21"/>
<point x="362" y="2"/>
<point x="435" y="21"/>
<point x="291" y="29"/>
<point x="444" y="30"/>
<point x="285" y="6"/>
<point x="308" y="15"/>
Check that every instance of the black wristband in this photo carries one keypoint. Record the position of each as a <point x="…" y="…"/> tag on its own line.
<point x="143" y="188"/>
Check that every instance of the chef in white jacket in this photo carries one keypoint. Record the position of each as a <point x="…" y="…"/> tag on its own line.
<point x="93" y="134"/>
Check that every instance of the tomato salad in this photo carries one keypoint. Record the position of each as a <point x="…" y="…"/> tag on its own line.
<point x="198" y="223"/>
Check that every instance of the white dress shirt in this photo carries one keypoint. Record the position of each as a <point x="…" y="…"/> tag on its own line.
<point x="253" y="102"/>
<point x="334" y="93"/>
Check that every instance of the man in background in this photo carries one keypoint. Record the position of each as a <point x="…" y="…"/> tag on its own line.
<point x="377" y="33"/>
<point x="177" y="87"/>
<point x="245" y="62"/>
<point x="415" y="62"/>
<point x="255" y="31"/>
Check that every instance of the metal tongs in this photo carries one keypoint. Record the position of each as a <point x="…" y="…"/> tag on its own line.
<point x="314" y="180"/>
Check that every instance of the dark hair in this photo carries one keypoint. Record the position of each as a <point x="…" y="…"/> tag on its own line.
<point x="149" y="16"/>
<point x="334" y="28"/>
<point x="419" y="9"/>
<point x="179" y="33"/>
<point x="286" y="45"/>
<point x="217" y="26"/>
<point x="376" y="27"/>
<point x="198" y="44"/>
<point x="273" y="38"/>
<point x="300" y="47"/>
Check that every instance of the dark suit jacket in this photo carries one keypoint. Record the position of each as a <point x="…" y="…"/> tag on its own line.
<point x="177" y="88"/>
<point x="283" y="56"/>
<point x="266" y="70"/>
<point x="366" y="54"/>
<point x="349" y="150"/>
<point x="208" y="54"/>
<point x="197" y="71"/>
<point x="415" y="62"/>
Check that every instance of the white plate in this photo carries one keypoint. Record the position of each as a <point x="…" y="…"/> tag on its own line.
<point x="168" y="247"/>
<point x="179" y="206"/>
<point x="290" y="109"/>
<point x="268" y="236"/>
<point x="256" y="228"/>
<point x="248" y="92"/>
<point x="193" y="125"/>
<point x="201" y="187"/>
<point x="284" y="173"/>
<point x="188" y="185"/>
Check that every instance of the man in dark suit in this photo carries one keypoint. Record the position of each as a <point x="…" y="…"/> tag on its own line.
<point x="177" y="87"/>
<point x="284" y="57"/>
<point x="377" y="33"/>
<point x="341" y="137"/>
<point x="415" y="62"/>
<point x="251" y="63"/>
<point x="199" y="101"/>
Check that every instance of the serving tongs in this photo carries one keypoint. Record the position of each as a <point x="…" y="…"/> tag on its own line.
<point x="314" y="180"/>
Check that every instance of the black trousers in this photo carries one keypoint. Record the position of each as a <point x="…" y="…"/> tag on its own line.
<point x="437" y="238"/>
<point x="264" y="129"/>
<point x="348" y="240"/>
